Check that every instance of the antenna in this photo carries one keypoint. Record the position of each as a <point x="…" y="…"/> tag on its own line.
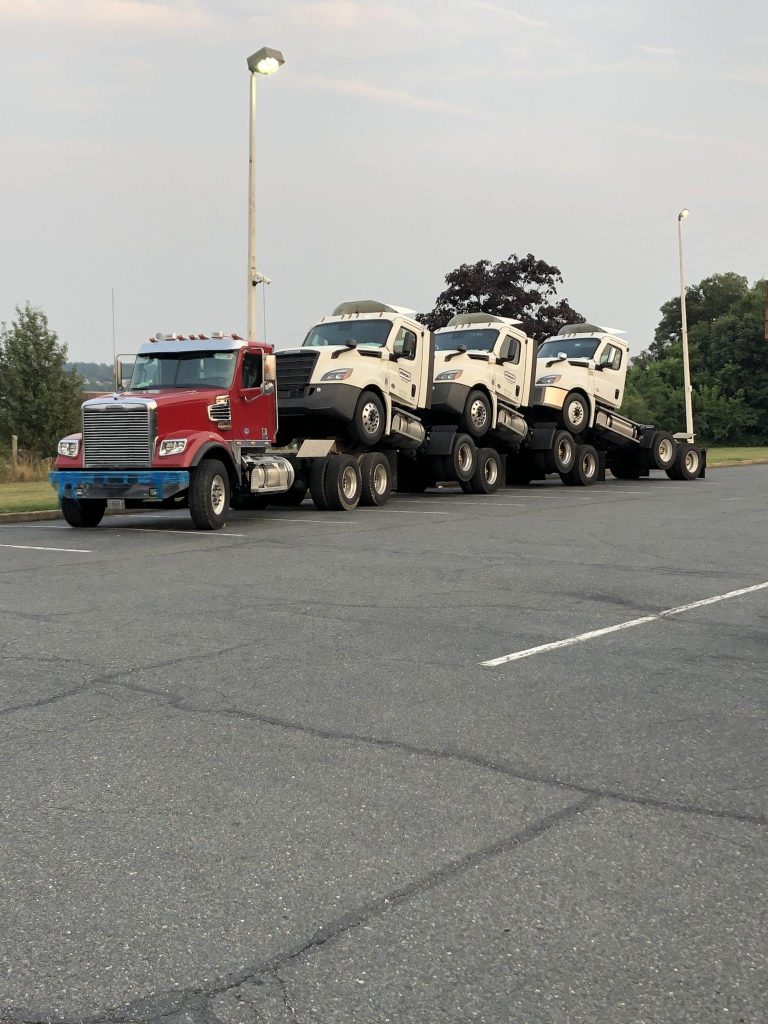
<point x="114" y="345"/>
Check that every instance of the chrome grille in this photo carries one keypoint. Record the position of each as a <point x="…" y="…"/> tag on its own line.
<point x="294" y="372"/>
<point x="220" y="411"/>
<point x="117" y="436"/>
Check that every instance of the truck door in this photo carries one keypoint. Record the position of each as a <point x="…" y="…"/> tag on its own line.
<point x="610" y="373"/>
<point x="404" y="370"/>
<point x="508" y="375"/>
<point x="254" y="409"/>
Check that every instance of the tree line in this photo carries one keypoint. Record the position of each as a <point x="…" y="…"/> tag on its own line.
<point x="41" y="393"/>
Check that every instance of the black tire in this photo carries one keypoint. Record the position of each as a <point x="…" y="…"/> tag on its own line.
<point x="209" y="495"/>
<point x="343" y="483"/>
<point x="476" y="418"/>
<point x="83" y="513"/>
<point x="369" y="420"/>
<point x="563" y="452"/>
<point x="574" y="415"/>
<point x="460" y="464"/>
<point x="486" y="478"/>
<point x="663" y="451"/>
<point x="585" y="468"/>
<point x="317" y="478"/>
<point x="687" y="464"/>
<point x="376" y="476"/>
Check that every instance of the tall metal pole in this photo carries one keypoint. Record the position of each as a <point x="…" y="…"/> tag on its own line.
<point x="251" y="284"/>
<point x="686" y="365"/>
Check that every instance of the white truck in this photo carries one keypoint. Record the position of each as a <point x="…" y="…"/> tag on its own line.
<point x="551" y="410"/>
<point x="361" y="382"/>
<point x="580" y="378"/>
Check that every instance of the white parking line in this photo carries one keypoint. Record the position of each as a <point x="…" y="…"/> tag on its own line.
<point x="571" y="640"/>
<point x="33" y="547"/>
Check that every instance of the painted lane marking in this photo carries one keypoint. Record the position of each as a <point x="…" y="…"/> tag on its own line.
<point x="593" y="633"/>
<point x="160" y="529"/>
<point x="403" y="512"/>
<point x="33" y="547"/>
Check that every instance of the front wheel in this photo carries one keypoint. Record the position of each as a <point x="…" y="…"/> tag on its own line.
<point x="476" y="418"/>
<point x="575" y="412"/>
<point x="83" y="512"/>
<point x="209" y="495"/>
<point x="369" y="420"/>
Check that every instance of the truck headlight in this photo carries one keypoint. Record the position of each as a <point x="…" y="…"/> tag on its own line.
<point x="551" y="378"/>
<point x="69" y="447"/>
<point x="336" y="375"/>
<point x="174" y="446"/>
<point x="449" y="375"/>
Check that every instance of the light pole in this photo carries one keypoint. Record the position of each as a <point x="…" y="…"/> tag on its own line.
<point x="686" y="365"/>
<point x="264" y="62"/>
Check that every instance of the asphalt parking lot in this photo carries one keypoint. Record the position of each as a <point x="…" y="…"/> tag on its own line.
<point x="266" y="774"/>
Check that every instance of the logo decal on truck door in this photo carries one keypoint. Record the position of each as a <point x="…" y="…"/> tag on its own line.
<point x="404" y="375"/>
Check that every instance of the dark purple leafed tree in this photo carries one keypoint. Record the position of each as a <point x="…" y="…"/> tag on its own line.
<point x="520" y="287"/>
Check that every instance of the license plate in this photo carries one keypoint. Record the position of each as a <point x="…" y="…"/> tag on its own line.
<point x="116" y="503"/>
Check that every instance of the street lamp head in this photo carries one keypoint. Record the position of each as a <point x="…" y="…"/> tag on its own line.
<point x="683" y="214"/>
<point x="265" y="61"/>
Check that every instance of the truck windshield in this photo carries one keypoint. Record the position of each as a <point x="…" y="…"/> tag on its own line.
<point x="574" y="348"/>
<point x="343" y="332"/>
<point x="478" y="340"/>
<point x="183" y="370"/>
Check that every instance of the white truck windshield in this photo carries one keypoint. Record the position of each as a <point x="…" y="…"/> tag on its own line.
<point x="349" y="332"/>
<point x="184" y="370"/>
<point x="481" y="340"/>
<point x="574" y="348"/>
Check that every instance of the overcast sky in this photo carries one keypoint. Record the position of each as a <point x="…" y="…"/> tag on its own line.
<point x="399" y="140"/>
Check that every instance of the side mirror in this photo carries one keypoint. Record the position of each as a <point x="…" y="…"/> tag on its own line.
<point x="270" y="369"/>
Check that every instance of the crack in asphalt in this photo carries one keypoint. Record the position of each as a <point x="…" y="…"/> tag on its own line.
<point x="196" y="1002"/>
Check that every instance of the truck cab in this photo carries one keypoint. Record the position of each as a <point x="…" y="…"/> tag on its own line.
<point x="364" y="371"/>
<point x="580" y="371"/>
<point x="193" y="428"/>
<point x="484" y="373"/>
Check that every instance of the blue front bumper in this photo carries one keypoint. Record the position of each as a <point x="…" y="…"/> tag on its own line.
<point x="135" y="484"/>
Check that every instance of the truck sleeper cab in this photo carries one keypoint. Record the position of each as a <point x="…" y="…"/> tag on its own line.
<point x="364" y="373"/>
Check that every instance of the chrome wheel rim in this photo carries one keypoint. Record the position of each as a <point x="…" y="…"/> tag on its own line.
<point x="588" y="466"/>
<point x="380" y="478"/>
<point x="491" y="471"/>
<point x="478" y="414"/>
<point x="691" y="461"/>
<point x="666" y="450"/>
<point x="577" y="413"/>
<point x="564" y="452"/>
<point x="349" y="483"/>
<point x="464" y="457"/>
<point x="218" y="494"/>
<point x="371" y="418"/>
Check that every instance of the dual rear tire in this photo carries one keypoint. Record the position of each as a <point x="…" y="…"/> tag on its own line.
<point x="586" y="467"/>
<point x="487" y="476"/>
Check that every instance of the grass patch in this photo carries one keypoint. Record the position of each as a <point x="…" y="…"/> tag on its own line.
<point x="27" y="497"/>
<point x="718" y="456"/>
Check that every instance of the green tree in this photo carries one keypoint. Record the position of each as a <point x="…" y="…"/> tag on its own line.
<point x="729" y="364"/>
<point x="39" y="398"/>
<point x="522" y="288"/>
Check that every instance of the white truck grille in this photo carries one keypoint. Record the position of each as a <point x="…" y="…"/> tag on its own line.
<point x="117" y="437"/>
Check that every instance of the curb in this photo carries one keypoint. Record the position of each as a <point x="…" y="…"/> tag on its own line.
<point x="29" y="517"/>
<point x="742" y="462"/>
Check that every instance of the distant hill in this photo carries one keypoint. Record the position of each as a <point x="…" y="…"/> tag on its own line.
<point x="96" y="376"/>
